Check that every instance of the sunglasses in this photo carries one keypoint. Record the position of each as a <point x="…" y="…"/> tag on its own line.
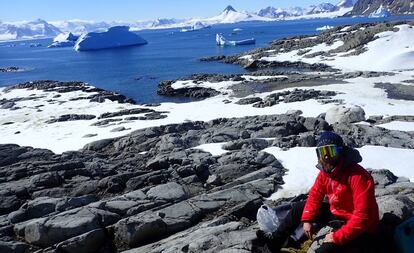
<point x="328" y="151"/>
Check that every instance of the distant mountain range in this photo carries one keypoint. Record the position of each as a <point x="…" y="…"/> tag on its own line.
<point x="27" y="30"/>
<point x="41" y="29"/>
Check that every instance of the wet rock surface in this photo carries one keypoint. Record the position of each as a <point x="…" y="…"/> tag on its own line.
<point x="151" y="191"/>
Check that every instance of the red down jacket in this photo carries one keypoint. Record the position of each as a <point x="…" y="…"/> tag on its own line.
<point x="350" y="191"/>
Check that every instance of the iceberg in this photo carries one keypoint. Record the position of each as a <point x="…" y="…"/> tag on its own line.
<point x="382" y="12"/>
<point x="197" y="26"/>
<point x="221" y="41"/>
<point x="117" y="36"/>
<point x="324" y="28"/>
<point x="64" y="40"/>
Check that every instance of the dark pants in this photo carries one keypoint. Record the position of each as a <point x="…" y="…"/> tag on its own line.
<point x="325" y="217"/>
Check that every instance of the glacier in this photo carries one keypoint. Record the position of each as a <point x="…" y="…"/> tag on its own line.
<point x="64" y="40"/>
<point x="117" y="36"/>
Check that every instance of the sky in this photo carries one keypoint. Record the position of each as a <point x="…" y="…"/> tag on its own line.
<point x="132" y="10"/>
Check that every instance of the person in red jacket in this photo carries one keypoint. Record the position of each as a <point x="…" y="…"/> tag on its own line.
<point x="351" y="208"/>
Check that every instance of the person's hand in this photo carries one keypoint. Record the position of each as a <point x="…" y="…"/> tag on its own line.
<point x="307" y="227"/>
<point x="329" y="238"/>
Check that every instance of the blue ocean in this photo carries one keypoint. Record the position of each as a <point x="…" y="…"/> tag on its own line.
<point x="169" y="54"/>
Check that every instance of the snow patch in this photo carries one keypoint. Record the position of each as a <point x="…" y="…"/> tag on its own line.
<point x="215" y="149"/>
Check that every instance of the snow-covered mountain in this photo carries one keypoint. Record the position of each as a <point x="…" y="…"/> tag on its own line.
<point x="321" y="8"/>
<point x="313" y="11"/>
<point x="230" y="15"/>
<point x="394" y="7"/>
<point x="162" y="22"/>
<point x="26" y="30"/>
<point x="272" y="12"/>
<point x="347" y="3"/>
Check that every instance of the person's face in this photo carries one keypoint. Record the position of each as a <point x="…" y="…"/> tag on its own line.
<point x="328" y="156"/>
<point x="329" y="163"/>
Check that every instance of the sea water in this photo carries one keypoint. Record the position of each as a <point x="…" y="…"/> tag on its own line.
<point x="170" y="54"/>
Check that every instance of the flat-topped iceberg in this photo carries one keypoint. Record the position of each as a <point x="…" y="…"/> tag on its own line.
<point x="64" y="40"/>
<point x="221" y="41"/>
<point x="117" y="36"/>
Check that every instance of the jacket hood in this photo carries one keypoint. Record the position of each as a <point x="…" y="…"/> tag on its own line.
<point x="350" y="157"/>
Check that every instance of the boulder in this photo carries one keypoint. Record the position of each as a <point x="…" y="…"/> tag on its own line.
<point x="342" y="114"/>
<point x="34" y="209"/>
<point x="398" y="205"/>
<point x="13" y="247"/>
<point x="89" y="242"/>
<point x="138" y="230"/>
<point x="51" y="230"/>
<point x="48" y="179"/>
<point x="169" y="192"/>
<point x="218" y="235"/>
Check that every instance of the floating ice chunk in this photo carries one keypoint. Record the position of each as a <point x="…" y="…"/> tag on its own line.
<point x="64" y="40"/>
<point x="221" y="41"/>
<point x="117" y="36"/>
<point x="324" y="28"/>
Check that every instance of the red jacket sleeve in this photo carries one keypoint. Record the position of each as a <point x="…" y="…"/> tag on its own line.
<point x="315" y="198"/>
<point x="362" y="191"/>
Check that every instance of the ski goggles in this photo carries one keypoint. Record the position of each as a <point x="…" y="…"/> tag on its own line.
<point x="328" y="151"/>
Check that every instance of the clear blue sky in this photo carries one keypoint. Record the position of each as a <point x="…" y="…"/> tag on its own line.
<point x="131" y="10"/>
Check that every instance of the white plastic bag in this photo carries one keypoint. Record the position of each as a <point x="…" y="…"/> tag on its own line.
<point x="267" y="219"/>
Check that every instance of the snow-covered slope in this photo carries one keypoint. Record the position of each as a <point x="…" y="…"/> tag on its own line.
<point x="391" y="50"/>
<point x="27" y="30"/>
<point x="117" y="36"/>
